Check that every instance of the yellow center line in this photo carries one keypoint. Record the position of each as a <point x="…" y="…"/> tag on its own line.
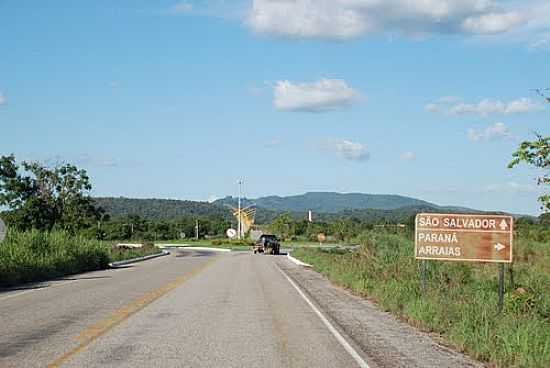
<point x="100" y="328"/>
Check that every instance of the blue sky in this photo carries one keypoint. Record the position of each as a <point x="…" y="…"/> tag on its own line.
<point x="167" y="99"/>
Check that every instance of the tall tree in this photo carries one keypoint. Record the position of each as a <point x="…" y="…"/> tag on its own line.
<point x="536" y="153"/>
<point x="283" y="225"/>
<point x="43" y="198"/>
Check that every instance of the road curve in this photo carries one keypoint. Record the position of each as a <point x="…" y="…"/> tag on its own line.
<point x="207" y="309"/>
<point x="191" y="309"/>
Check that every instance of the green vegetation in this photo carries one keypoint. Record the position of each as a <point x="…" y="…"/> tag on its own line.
<point x="329" y="202"/>
<point x="537" y="154"/>
<point x="232" y="243"/>
<point x="36" y="256"/>
<point x="43" y="198"/>
<point x="162" y="210"/>
<point x="460" y="302"/>
<point x="136" y="228"/>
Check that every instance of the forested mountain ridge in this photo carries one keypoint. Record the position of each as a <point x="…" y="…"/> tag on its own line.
<point x="159" y="209"/>
<point x="331" y="202"/>
<point x="334" y="206"/>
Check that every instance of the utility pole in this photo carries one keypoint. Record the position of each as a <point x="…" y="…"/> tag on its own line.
<point x="239" y="226"/>
<point x="197" y="230"/>
<point x="131" y="229"/>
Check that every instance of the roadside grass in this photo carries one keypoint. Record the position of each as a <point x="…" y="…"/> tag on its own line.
<point x="37" y="256"/>
<point x="460" y="303"/>
<point x="310" y="244"/>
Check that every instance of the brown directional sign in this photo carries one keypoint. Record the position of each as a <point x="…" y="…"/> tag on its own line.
<point x="454" y="237"/>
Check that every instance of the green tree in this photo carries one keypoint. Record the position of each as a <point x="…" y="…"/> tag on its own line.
<point x="284" y="226"/>
<point x="536" y="153"/>
<point x="43" y="198"/>
<point x="342" y="229"/>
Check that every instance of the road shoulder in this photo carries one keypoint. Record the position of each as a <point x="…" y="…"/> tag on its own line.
<point x="386" y="340"/>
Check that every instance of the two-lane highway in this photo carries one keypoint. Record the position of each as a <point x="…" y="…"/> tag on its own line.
<point x="190" y="309"/>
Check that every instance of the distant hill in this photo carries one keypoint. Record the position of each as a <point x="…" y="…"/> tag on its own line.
<point x="329" y="202"/>
<point x="325" y="206"/>
<point x="169" y="209"/>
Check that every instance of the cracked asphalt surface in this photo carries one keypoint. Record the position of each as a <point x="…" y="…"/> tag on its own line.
<point x="203" y="309"/>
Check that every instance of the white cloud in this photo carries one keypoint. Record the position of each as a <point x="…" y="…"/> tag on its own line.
<point x="484" y="107"/>
<point x="345" y="19"/>
<point x="408" y="156"/>
<point x="306" y="19"/>
<point x="181" y="8"/>
<point x="323" y="95"/>
<point x="2" y="98"/>
<point x="497" y="131"/>
<point x="348" y="150"/>
<point x="542" y="42"/>
<point x="492" y="23"/>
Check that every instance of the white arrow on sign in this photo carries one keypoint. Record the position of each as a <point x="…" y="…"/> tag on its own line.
<point x="499" y="247"/>
<point x="503" y="225"/>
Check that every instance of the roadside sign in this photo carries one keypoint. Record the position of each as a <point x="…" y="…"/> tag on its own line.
<point x="321" y="237"/>
<point x="458" y="237"/>
<point x="3" y="230"/>
<point x="231" y="233"/>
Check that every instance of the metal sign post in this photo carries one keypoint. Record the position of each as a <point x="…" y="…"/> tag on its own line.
<point x="423" y="275"/>
<point x="500" y="287"/>
<point x="3" y="230"/>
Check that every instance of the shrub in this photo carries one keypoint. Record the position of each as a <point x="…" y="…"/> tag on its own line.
<point x="36" y="256"/>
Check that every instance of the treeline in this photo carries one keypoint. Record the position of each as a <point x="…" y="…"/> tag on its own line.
<point x="350" y="229"/>
<point x="160" y="209"/>
<point x="137" y="228"/>
<point x="338" y="229"/>
<point x="166" y="209"/>
<point x="51" y="199"/>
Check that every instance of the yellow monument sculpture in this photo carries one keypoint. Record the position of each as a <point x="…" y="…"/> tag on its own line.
<point x="246" y="218"/>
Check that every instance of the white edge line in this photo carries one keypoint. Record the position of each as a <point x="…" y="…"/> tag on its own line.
<point x="297" y="261"/>
<point x="207" y="248"/>
<point x="331" y="328"/>
<point x="192" y="247"/>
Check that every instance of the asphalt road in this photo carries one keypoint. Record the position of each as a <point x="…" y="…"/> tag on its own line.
<point x="205" y="309"/>
<point x="190" y="309"/>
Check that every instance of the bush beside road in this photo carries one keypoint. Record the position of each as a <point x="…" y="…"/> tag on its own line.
<point x="460" y="303"/>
